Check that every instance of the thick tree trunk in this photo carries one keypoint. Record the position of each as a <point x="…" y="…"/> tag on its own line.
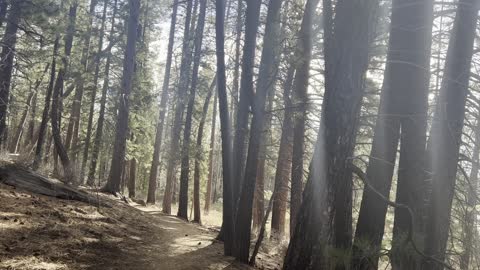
<point x="184" y="174"/>
<point x="208" y="194"/>
<point x="177" y="120"/>
<point x="3" y="10"/>
<point x="55" y="113"/>
<point x="152" y="183"/>
<point x="447" y="130"/>
<point x="284" y="162"/>
<point x="103" y="101"/>
<point x="7" y="55"/>
<point x="266" y="83"/>
<point x="323" y="229"/>
<point x="228" y="210"/>
<point x="403" y="106"/>
<point x="114" y="177"/>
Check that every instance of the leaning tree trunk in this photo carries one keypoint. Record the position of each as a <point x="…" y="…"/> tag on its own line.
<point x="119" y="146"/>
<point x="152" y="183"/>
<point x="15" y="143"/>
<point x="447" y="131"/>
<point x="227" y="210"/>
<point x="177" y="123"/>
<point x="184" y="174"/>
<point x="55" y="113"/>
<point x="7" y="55"/>
<point x="42" y="130"/>
<point x="103" y="101"/>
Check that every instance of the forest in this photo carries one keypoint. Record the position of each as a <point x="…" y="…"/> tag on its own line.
<point x="240" y="134"/>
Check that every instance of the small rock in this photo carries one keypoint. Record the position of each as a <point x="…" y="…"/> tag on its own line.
<point x="15" y="220"/>
<point x="199" y="243"/>
<point x="6" y="218"/>
<point x="186" y="234"/>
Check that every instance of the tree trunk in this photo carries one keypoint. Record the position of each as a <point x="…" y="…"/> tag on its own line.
<point x="208" y="194"/>
<point x="228" y="210"/>
<point x="236" y="70"/>
<point x="103" y="102"/>
<point x="71" y="139"/>
<point x="182" y="98"/>
<point x="93" y="93"/>
<point x="55" y="113"/>
<point x="403" y="107"/>
<point x="199" y="155"/>
<point x="113" y="184"/>
<point x="132" y="178"/>
<point x="152" y="183"/>
<point x="15" y="143"/>
<point x="323" y="230"/>
<point x="184" y="174"/>
<point x="447" y="130"/>
<point x="246" y="96"/>
<point x="3" y="10"/>
<point x="284" y="162"/>
<point x="266" y="83"/>
<point x="7" y="55"/>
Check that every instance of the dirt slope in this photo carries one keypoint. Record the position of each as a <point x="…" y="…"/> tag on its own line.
<point x="39" y="232"/>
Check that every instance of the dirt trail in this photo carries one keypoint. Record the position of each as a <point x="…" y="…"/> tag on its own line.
<point x="39" y="232"/>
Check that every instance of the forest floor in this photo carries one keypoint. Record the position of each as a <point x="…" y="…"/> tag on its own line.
<point x="40" y="232"/>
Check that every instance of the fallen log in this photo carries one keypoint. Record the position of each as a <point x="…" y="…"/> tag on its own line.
<point x="22" y="178"/>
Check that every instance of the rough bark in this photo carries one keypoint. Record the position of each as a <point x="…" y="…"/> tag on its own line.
<point x="185" y="170"/>
<point x="7" y="55"/>
<point x="236" y="70"/>
<point x="152" y="183"/>
<point x="228" y="210"/>
<point x="447" y="130"/>
<point x="103" y="101"/>
<point x="181" y="102"/>
<point x="121" y="129"/>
